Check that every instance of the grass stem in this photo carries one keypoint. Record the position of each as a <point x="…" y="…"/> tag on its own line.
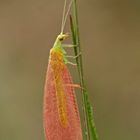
<point x="90" y="129"/>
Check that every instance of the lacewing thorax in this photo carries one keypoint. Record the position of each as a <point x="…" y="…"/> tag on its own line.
<point x="60" y="111"/>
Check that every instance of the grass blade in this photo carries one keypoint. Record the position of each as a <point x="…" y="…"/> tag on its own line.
<point x="90" y="129"/>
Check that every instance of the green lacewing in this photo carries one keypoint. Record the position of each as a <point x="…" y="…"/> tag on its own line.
<point x="61" y="118"/>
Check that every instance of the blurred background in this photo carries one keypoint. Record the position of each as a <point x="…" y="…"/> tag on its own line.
<point x="110" y="38"/>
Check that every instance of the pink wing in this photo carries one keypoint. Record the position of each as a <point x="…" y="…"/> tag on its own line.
<point x="54" y="130"/>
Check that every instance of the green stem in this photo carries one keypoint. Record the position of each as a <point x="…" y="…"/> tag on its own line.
<point x="90" y="129"/>
<point x="79" y="62"/>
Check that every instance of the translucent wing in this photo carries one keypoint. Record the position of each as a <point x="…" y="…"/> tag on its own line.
<point x="61" y="116"/>
<point x="72" y="108"/>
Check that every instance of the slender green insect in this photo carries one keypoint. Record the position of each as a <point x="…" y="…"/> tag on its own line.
<point x="61" y="115"/>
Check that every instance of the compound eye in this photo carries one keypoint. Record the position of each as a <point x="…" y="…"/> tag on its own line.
<point x="61" y="39"/>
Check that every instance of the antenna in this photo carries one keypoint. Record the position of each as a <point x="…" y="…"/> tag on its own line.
<point x="63" y="17"/>
<point x="65" y="14"/>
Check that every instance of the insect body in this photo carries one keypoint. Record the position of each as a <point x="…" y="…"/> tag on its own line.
<point x="61" y="116"/>
<point x="60" y="112"/>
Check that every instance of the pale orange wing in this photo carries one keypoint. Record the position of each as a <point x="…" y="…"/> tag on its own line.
<point x="61" y="116"/>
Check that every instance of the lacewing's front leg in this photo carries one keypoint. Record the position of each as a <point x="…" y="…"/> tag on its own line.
<point x="74" y="57"/>
<point x="68" y="45"/>
<point x="70" y="56"/>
